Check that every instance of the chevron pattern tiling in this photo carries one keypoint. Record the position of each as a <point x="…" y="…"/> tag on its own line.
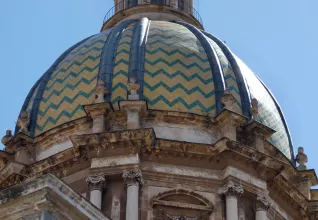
<point x="71" y="85"/>
<point x="121" y="67"/>
<point x="178" y="76"/>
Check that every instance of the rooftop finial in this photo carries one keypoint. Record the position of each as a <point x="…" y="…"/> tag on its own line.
<point x="7" y="137"/>
<point x="254" y="108"/>
<point x="100" y="91"/>
<point x="23" y="122"/>
<point x="301" y="159"/>
<point x="228" y="100"/>
<point x="133" y="88"/>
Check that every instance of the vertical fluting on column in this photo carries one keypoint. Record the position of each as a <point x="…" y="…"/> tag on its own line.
<point x="132" y="179"/>
<point x="232" y="192"/>
<point x="96" y="185"/>
<point x="261" y="207"/>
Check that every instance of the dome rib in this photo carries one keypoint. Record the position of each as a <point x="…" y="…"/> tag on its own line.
<point x="283" y="120"/>
<point x="138" y="51"/>
<point x="106" y="68"/>
<point x="217" y="72"/>
<point x="41" y="84"/>
<point x="27" y="100"/>
<point x="245" y="95"/>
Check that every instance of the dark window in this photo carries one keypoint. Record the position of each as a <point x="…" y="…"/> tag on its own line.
<point x="132" y="3"/>
<point x="158" y="2"/>
<point x="181" y="5"/>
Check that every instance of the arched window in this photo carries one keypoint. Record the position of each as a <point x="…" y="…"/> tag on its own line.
<point x="181" y="204"/>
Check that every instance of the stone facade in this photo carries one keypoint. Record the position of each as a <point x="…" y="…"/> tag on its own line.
<point x="138" y="163"/>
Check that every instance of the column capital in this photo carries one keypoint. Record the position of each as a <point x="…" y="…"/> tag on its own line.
<point x="132" y="177"/>
<point x="232" y="190"/>
<point x="96" y="183"/>
<point x="262" y="203"/>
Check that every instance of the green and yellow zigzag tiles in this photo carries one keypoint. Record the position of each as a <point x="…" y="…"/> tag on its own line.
<point x="71" y="85"/>
<point x="178" y="76"/>
<point x="121" y="67"/>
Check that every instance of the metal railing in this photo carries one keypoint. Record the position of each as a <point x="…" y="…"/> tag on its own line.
<point x="181" y="5"/>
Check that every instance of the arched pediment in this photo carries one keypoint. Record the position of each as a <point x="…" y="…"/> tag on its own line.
<point x="181" y="204"/>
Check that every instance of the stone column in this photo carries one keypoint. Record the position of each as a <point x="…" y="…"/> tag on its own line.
<point x="232" y="192"/>
<point x="132" y="179"/>
<point x="96" y="186"/>
<point x="262" y="205"/>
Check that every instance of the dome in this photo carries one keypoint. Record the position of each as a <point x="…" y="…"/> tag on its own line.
<point x="178" y="67"/>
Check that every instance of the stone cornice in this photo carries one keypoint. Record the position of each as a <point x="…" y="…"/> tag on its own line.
<point x="259" y="128"/>
<point x="112" y="141"/>
<point x="265" y="164"/>
<point x="11" y="174"/>
<point x="289" y="191"/>
<point x="52" y="190"/>
<point x="230" y="117"/>
<point x="98" y="109"/>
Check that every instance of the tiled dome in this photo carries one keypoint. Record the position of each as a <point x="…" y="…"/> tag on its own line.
<point x="179" y="68"/>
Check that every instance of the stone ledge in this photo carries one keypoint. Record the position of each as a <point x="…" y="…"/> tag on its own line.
<point x="46" y="193"/>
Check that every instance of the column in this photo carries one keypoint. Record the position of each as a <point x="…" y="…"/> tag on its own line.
<point x="232" y="192"/>
<point x="132" y="179"/>
<point x="96" y="186"/>
<point x="262" y="205"/>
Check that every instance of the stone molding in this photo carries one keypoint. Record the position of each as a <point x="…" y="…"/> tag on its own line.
<point x="232" y="190"/>
<point x="262" y="203"/>
<point x="132" y="177"/>
<point x="96" y="183"/>
<point x="45" y="193"/>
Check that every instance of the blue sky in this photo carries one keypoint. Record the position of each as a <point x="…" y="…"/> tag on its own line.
<point x="276" y="39"/>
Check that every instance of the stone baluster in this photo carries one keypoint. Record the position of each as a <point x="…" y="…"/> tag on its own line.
<point x="132" y="179"/>
<point x="96" y="186"/>
<point x="262" y="205"/>
<point x="232" y="192"/>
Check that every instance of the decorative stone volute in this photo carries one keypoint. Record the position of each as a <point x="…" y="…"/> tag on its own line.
<point x="301" y="159"/>
<point x="262" y="203"/>
<point x="96" y="183"/>
<point x="7" y="137"/>
<point x="228" y="100"/>
<point x="23" y="122"/>
<point x="132" y="177"/>
<point x="133" y="88"/>
<point x="232" y="190"/>
<point x="254" y="108"/>
<point x="100" y="91"/>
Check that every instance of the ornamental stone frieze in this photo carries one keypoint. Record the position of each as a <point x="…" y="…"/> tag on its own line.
<point x="96" y="183"/>
<point x="232" y="190"/>
<point x="132" y="177"/>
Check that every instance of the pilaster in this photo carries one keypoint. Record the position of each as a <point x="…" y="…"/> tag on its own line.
<point x="134" y="110"/>
<point x="96" y="186"/>
<point x="232" y="192"/>
<point x="98" y="112"/>
<point x="228" y="122"/>
<point x="258" y="133"/>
